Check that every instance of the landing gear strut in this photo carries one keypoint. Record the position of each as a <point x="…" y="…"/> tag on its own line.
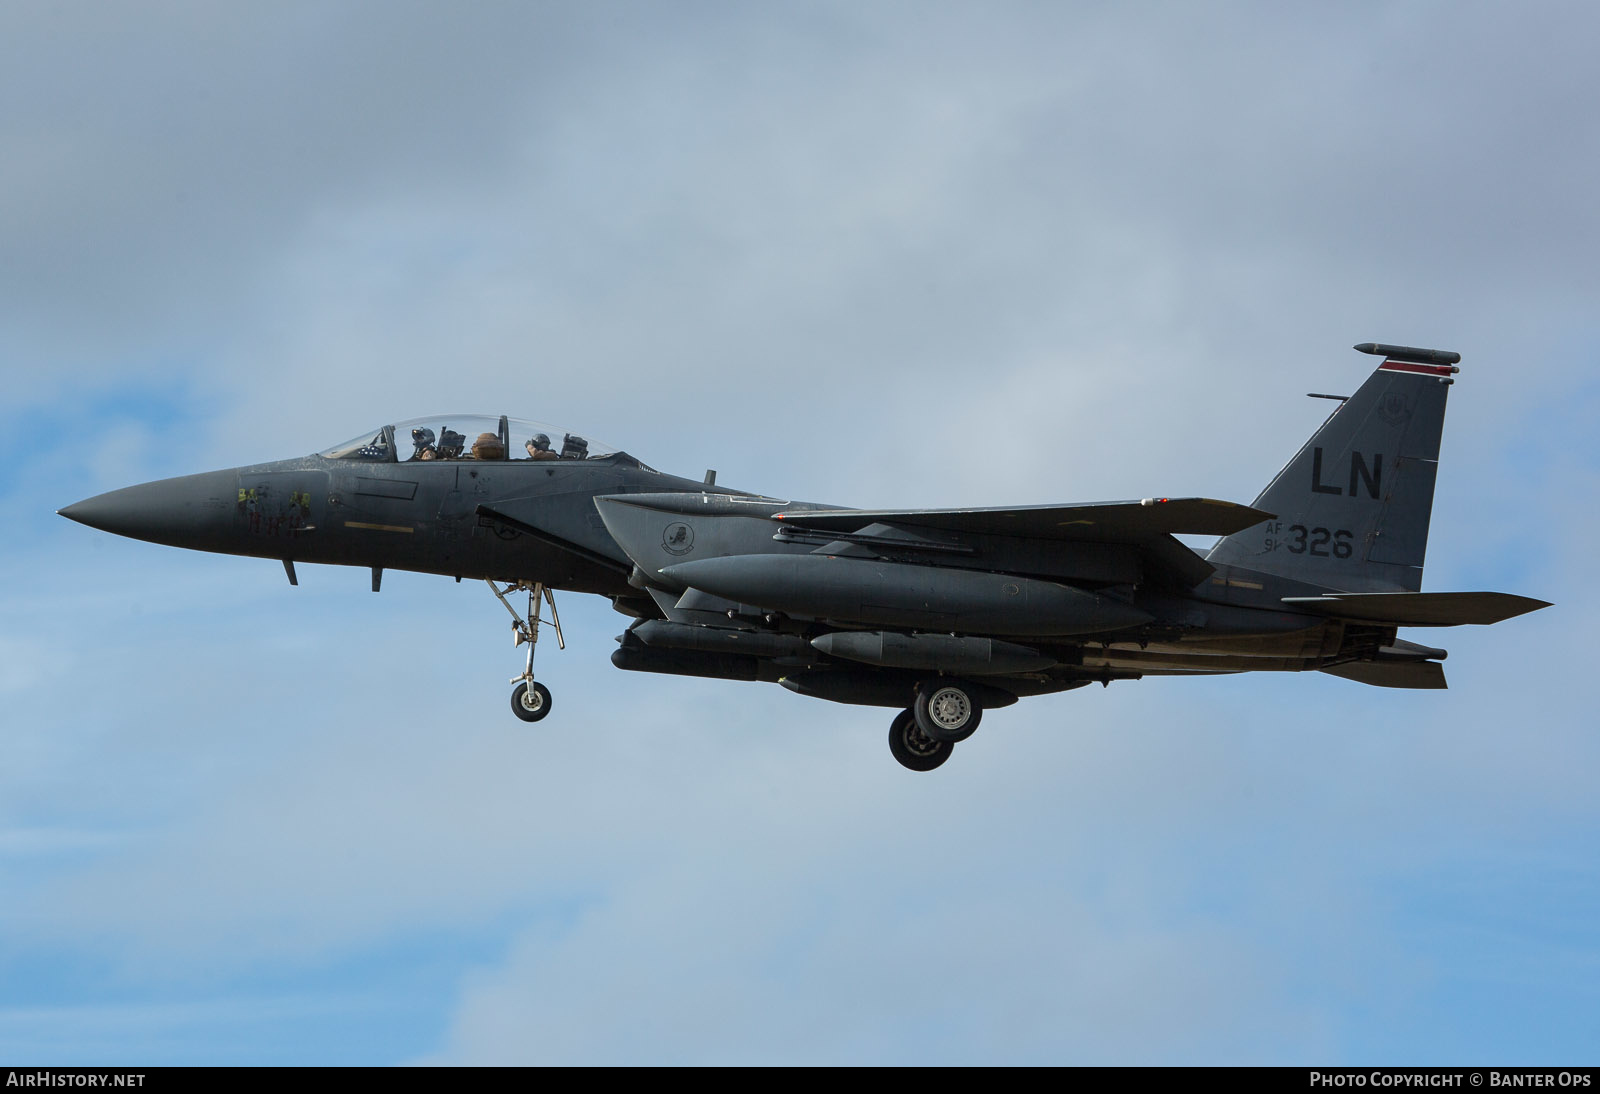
<point x="530" y="700"/>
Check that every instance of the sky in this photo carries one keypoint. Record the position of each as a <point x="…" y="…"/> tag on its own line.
<point x="877" y="254"/>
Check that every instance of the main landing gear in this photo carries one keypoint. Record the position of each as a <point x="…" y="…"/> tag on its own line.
<point x="530" y="700"/>
<point x="944" y="714"/>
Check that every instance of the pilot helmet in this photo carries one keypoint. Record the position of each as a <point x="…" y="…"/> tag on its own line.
<point x="488" y="447"/>
<point x="540" y="441"/>
<point x="422" y="436"/>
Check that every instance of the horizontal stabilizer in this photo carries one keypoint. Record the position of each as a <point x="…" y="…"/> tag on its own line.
<point x="1421" y="675"/>
<point x="1117" y="521"/>
<point x="1418" y="609"/>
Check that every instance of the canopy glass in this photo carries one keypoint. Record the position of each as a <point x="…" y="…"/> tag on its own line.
<point x="468" y="437"/>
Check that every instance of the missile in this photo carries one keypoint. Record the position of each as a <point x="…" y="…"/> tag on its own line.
<point x="894" y="594"/>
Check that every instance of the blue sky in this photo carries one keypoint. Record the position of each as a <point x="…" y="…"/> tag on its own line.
<point x="881" y="255"/>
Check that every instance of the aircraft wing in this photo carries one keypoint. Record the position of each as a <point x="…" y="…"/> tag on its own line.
<point x="1418" y="609"/>
<point x="1146" y="526"/>
<point x="1107" y="522"/>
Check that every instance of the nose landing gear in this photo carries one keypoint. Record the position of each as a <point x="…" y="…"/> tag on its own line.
<point x="530" y="700"/>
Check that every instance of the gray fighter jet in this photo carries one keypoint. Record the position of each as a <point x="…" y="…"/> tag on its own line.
<point x="940" y="613"/>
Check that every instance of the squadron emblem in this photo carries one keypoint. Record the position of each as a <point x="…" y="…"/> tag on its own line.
<point x="677" y="539"/>
<point x="1395" y="408"/>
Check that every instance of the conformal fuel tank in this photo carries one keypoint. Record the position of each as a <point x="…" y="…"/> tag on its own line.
<point x="894" y="594"/>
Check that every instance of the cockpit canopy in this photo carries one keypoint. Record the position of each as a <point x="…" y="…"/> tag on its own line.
<point x="469" y="437"/>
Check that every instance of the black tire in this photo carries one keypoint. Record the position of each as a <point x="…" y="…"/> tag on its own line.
<point x="530" y="708"/>
<point x="947" y="712"/>
<point x="913" y="748"/>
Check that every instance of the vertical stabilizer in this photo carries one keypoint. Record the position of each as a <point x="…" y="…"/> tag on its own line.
<point x="1353" y="505"/>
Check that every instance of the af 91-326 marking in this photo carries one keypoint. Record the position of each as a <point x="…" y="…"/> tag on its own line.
<point x="1320" y="542"/>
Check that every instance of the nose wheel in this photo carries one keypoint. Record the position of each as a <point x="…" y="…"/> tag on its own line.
<point x="530" y="700"/>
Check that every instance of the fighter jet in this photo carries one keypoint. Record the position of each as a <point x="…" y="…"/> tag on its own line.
<point x="939" y="613"/>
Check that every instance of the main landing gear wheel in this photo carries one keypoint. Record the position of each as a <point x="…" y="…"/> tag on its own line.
<point x="946" y="712"/>
<point x="914" y="748"/>
<point x="530" y="703"/>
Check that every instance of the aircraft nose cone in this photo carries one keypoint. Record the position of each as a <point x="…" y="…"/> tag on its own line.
<point x="117" y="511"/>
<point x="190" y="511"/>
<point x="82" y="512"/>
